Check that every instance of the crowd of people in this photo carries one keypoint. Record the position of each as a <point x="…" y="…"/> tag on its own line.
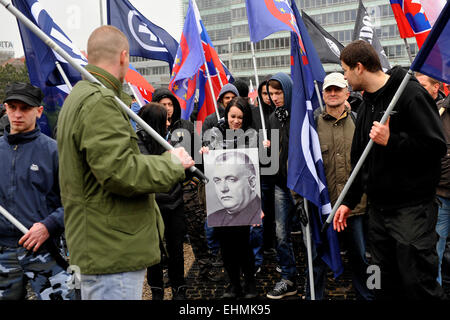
<point x="124" y="204"/>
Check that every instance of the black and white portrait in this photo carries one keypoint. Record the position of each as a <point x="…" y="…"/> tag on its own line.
<point x="233" y="196"/>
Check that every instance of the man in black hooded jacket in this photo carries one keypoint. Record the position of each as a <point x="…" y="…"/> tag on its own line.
<point x="399" y="176"/>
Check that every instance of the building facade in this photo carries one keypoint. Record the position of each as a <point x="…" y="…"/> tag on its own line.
<point x="6" y="51"/>
<point x="227" y="26"/>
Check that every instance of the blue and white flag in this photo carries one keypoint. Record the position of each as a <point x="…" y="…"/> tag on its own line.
<point x="40" y="60"/>
<point x="306" y="174"/>
<point x="146" y="39"/>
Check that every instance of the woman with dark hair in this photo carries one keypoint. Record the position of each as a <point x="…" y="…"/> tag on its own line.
<point x="238" y="116"/>
<point x="234" y="241"/>
<point x="171" y="207"/>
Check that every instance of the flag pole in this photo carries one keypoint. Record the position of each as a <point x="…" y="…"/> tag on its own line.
<point x="263" y="123"/>
<point x="206" y="69"/>
<point x="13" y="220"/>
<point x="135" y="94"/>
<point x="211" y="86"/>
<point x="102" y="22"/>
<point x="63" y="75"/>
<point x="49" y="42"/>
<point x="309" y="251"/>
<point x="408" y="50"/>
<point x="220" y="79"/>
<point x="366" y="151"/>
<point x="318" y="95"/>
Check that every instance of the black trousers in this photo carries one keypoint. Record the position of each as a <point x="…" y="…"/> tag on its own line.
<point x="174" y="233"/>
<point x="195" y="213"/>
<point x="403" y="245"/>
<point x="237" y="254"/>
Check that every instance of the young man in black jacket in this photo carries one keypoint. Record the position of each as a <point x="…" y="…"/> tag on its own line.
<point x="399" y="176"/>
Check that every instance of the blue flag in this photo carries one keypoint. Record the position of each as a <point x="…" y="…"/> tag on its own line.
<point x="40" y="60"/>
<point x="433" y="58"/>
<point x="145" y="38"/>
<point x="269" y="16"/>
<point x="306" y="174"/>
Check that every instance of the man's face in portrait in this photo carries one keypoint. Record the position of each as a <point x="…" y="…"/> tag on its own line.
<point x="235" y="185"/>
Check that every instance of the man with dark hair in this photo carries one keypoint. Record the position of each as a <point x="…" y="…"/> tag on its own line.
<point x="30" y="192"/>
<point x="399" y="176"/>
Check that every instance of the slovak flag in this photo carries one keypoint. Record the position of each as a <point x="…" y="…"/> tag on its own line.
<point x="189" y="59"/>
<point x="432" y="9"/>
<point x="269" y="16"/>
<point x="135" y="78"/>
<point x="217" y="71"/>
<point x="411" y="20"/>
<point x="434" y="57"/>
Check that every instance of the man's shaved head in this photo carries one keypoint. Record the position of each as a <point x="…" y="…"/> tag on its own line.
<point x="105" y="45"/>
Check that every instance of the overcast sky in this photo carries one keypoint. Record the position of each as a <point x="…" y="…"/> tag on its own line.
<point x="78" y="18"/>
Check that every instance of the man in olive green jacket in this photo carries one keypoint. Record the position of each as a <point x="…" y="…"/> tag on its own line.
<point x="335" y="127"/>
<point x="113" y="225"/>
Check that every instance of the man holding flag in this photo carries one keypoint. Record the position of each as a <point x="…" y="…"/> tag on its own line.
<point x="305" y="175"/>
<point x="399" y="177"/>
<point x="113" y="224"/>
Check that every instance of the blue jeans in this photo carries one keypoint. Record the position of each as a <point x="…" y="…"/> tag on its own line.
<point x="256" y="243"/>
<point x="115" y="286"/>
<point x="283" y="217"/>
<point x="442" y="228"/>
<point x="212" y="241"/>
<point x="355" y="241"/>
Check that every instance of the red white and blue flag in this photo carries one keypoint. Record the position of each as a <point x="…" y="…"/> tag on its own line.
<point x="136" y="79"/>
<point x="306" y="174"/>
<point x="432" y="9"/>
<point x="269" y="16"/>
<point x="189" y="73"/>
<point x="188" y="61"/>
<point x="433" y="58"/>
<point x="411" y="20"/>
<point x="216" y="70"/>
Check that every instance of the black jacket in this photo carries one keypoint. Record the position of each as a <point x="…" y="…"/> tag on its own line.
<point x="177" y="135"/>
<point x="407" y="170"/>
<point x="172" y="200"/>
<point x="283" y="129"/>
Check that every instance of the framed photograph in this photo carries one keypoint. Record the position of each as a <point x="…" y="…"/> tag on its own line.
<point x="233" y="194"/>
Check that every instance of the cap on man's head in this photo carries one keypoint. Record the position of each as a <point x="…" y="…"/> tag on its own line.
<point x="335" y="79"/>
<point x="24" y="92"/>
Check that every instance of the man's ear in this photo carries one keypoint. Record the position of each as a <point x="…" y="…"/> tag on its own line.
<point x="40" y="110"/>
<point x="252" y="181"/>
<point x="123" y="56"/>
<point x="359" y="67"/>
